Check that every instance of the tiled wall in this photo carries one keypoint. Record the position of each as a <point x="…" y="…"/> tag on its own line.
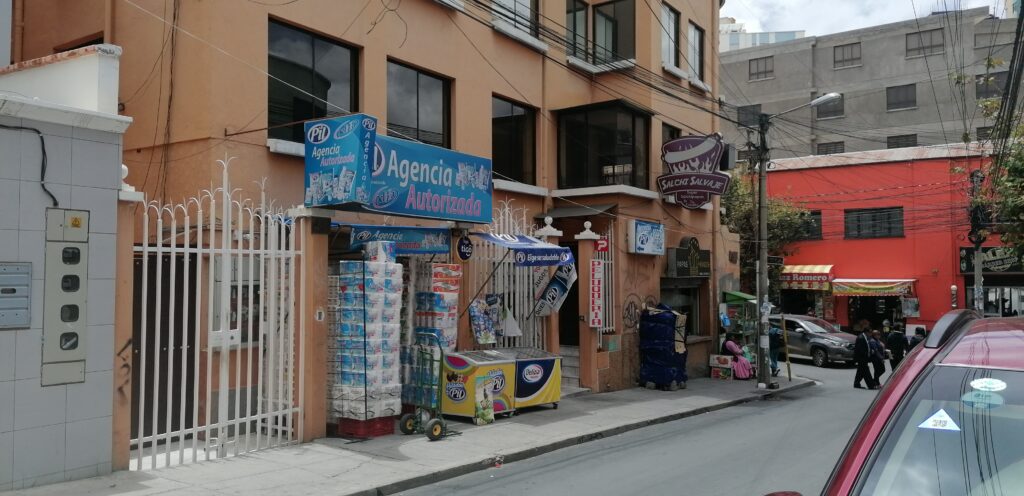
<point x="57" y="433"/>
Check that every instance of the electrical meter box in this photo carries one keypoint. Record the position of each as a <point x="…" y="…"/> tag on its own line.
<point x="15" y="295"/>
<point x="65" y="292"/>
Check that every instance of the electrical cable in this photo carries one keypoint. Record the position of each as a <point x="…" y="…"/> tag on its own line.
<point x="43" y="162"/>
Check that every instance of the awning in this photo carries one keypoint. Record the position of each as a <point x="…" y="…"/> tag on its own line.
<point x="873" y="287"/>
<point x="813" y="277"/>
<point x="578" y="211"/>
<point x="529" y="251"/>
<point x="736" y="297"/>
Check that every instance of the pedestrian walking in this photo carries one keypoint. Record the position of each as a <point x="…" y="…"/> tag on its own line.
<point x="919" y="336"/>
<point x="897" y="344"/>
<point x="775" y="344"/>
<point x="861" y="357"/>
<point x="877" y="356"/>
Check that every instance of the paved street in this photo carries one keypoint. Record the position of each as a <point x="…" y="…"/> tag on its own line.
<point x="790" y="443"/>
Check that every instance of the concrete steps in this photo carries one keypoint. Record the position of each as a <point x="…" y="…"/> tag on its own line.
<point x="570" y="367"/>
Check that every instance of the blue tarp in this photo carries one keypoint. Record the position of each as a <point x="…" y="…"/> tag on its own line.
<point x="529" y="251"/>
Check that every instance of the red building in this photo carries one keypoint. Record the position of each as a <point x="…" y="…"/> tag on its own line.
<point x="888" y="234"/>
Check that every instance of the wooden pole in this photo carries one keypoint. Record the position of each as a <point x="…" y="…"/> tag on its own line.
<point x="785" y="345"/>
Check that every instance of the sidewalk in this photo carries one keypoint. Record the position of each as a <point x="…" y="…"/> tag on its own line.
<point x="395" y="463"/>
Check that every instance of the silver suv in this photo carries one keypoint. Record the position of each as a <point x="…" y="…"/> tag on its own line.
<point x="816" y="339"/>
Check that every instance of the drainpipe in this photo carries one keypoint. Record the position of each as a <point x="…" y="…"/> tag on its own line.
<point x="18" y="36"/>
<point x="108" y="22"/>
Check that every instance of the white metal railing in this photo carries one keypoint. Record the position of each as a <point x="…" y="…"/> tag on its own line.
<point x="608" y="283"/>
<point x="217" y="357"/>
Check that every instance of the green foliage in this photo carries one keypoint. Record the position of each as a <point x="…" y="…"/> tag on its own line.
<point x="1007" y="183"/>
<point x="786" y="223"/>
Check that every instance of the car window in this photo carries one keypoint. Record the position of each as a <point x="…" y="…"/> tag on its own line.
<point x="959" y="434"/>
<point x="818" y="326"/>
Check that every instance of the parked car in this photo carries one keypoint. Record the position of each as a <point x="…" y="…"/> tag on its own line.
<point x="816" y="339"/>
<point x="949" y="419"/>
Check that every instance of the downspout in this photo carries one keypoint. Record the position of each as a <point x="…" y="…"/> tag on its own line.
<point x="108" y="22"/>
<point x="18" y="36"/>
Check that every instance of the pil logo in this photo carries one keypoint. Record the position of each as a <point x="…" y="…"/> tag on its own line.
<point x="318" y="133"/>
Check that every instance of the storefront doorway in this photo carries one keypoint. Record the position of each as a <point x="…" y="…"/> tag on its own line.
<point x="569" y="314"/>
<point x="874" y="309"/>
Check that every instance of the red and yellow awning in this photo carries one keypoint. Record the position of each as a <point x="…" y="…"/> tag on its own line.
<point x="813" y="277"/>
<point x="873" y="287"/>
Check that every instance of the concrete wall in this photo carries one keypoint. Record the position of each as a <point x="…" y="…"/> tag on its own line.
<point x="804" y="69"/>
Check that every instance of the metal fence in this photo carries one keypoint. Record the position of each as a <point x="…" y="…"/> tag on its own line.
<point x="608" y="284"/>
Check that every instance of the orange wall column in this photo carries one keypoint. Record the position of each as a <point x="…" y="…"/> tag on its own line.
<point x="588" y="337"/>
<point x="123" y="347"/>
<point x="313" y="316"/>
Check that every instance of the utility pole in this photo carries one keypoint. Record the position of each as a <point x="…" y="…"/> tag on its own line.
<point x="977" y="235"/>
<point x="764" y="306"/>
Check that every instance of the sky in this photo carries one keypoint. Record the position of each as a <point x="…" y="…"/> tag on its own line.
<point x="819" y="17"/>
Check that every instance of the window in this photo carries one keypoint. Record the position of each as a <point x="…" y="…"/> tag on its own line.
<point x="696" y="52"/>
<point x="925" y="43"/>
<point x="316" y="66"/>
<point x="830" y="148"/>
<point x="762" y="68"/>
<point x="874" y="223"/>
<point x="576" y="29"/>
<point x="513" y="141"/>
<point x="984" y="133"/>
<point x="811" y="228"/>
<point x="846" y="55"/>
<point x="835" y="108"/>
<point x="901" y="97"/>
<point x="991" y="85"/>
<point x="670" y="36"/>
<point x="614" y="31"/>
<point x="749" y="115"/>
<point x="744" y="156"/>
<point x="602" y="145"/>
<point x="520" y="14"/>
<point x="901" y="141"/>
<point x="669" y="133"/>
<point x="417" y="105"/>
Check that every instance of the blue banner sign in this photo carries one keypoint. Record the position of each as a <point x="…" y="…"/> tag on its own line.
<point x="338" y="155"/>
<point x="408" y="240"/>
<point x="645" y="238"/>
<point x="556" y="291"/>
<point x="530" y="252"/>
<point x="418" y="180"/>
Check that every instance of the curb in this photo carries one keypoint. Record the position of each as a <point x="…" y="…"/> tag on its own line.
<point x="524" y="454"/>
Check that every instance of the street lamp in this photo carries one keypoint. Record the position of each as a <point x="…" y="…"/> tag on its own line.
<point x="764" y="307"/>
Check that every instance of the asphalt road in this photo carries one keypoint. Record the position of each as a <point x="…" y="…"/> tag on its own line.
<point x="788" y="443"/>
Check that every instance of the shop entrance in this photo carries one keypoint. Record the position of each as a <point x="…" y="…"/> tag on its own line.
<point x="874" y="309"/>
<point x="569" y="314"/>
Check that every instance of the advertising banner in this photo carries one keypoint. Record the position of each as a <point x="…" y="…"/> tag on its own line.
<point x="408" y="240"/>
<point x="596" y="294"/>
<point x="556" y="291"/>
<point x="645" y="238"/>
<point x="338" y="155"/>
<point x="692" y="163"/>
<point x="418" y="180"/>
<point x="530" y="252"/>
<point x="994" y="260"/>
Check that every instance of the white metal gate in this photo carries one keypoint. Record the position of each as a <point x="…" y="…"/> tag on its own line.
<point x="216" y="333"/>
<point x="608" y="283"/>
<point x="518" y="285"/>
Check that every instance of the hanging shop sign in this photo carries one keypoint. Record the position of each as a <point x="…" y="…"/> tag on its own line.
<point x="418" y="180"/>
<point x="810" y="277"/>
<point x="596" y="294"/>
<point x="530" y="252"/>
<point x="691" y="261"/>
<point x="338" y="156"/>
<point x="692" y="163"/>
<point x="556" y="291"/>
<point x="601" y="244"/>
<point x="994" y="260"/>
<point x="464" y="248"/>
<point x="872" y="287"/>
<point x="408" y="240"/>
<point x="645" y="238"/>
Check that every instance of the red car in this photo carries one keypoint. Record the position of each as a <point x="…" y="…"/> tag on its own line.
<point x="950" y="421"/>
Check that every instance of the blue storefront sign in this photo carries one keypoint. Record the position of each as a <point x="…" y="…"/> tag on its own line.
<point x="645" y="238"/>
<point x="418" y="180"/>
<point x="530" y="252"/>
<point x="338" y="157"/>
<point x="408" y="240"/>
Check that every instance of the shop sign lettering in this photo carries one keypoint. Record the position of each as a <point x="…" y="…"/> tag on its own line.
<point x="596" y="294"/>
<point x="994" y="259"/>
<point x="692" y="163"/>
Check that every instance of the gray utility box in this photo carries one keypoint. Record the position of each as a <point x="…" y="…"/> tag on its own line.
<point x="65" y="291"/>
<point x="15" y="295"/>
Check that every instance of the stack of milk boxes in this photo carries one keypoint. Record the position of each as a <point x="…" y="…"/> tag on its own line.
<point x="367" y="382"/>
<point x="436" y="314"/>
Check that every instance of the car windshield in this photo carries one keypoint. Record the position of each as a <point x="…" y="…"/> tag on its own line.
<point x="959" y="434"/>
<point x="818" y="326"/>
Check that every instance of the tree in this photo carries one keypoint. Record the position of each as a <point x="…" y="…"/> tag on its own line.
<point x="1007" y="185"/>
<point x="786" y="223"/>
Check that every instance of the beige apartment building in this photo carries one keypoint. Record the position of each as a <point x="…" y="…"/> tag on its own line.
<point x="570" y="99"/>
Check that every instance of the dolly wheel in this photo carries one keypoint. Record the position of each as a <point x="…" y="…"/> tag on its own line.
<point x="556" y="406"/>
<point x="407" y="424"/>
<point x="435" y="429"/>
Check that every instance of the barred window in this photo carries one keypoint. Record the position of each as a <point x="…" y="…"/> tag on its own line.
<point x="866" y="223"/>
<point x="762" y="68"/>
<point x="901" y="141"/>
<point x="811" y="228"/>
<point x="830" y="148"/>
<point x="984" y="133"/>
<point x="901" y="97"/>
<point x="846" y="55"/>
<point x="925" y="43"/>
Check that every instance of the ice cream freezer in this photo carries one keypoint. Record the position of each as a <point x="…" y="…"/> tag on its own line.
<point x="478" y="384"/>
<point x="538" y="377"/>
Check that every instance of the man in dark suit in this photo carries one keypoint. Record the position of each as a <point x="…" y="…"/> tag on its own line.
<point x="861" y="357"/>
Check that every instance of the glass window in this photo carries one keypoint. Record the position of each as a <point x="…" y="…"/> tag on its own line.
<point x="669" y="36"/>
<point x="835" y="108"/>
<point x="984" y="133"/>
<point x="762" y="68"/>
<point x="313" y="64"/>
<point x="669" y="133"/>
<point x="832" y="147"/>
<point x="901" y="141"/>
<point x="846" y="55"/>
<point x="614" y="31"/>
<point x="744" y="155"/>
<point x="976" y="451"/>
<point x="602" y="146"/>
<point x="811" y="228"/>
<point x="512" y="140"/>
<point x="576" y="29"/>
<point x="417" y="105"/>
<point x="748" y="115"/>
<point x="990" y="85"/>
<point x="901" y="97"/>
<point x="520" y="14"/>
<point x="874" y="222"/>
<point x="925" y="42"/>
<point x="696" y="51"/>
